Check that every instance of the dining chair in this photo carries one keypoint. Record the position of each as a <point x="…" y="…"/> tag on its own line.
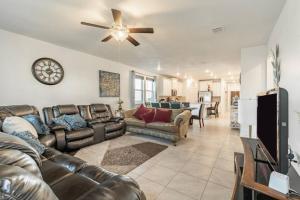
<point x="213" y="110"/>
<point x="200" y="116"/>
<point x="155" y="105"/>
<point x="186" y="104"/>
<point x="164" y="105"/>
<point x="175" y="105"/>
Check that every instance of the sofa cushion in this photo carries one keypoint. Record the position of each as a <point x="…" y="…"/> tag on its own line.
<point x="135" y="122"/>
<point x="140" y="111"/>
<point x="149" y="116"/>
<point x="175" y="112"/>
<point x="79" y="134"/>
<point x="38" y="124"/>
<point x="113" y="126"/>
<point x="17" y="183"/>
<point x="162" y="115"/>
<point x="48" y="140"/>
<point x="12" y="142"/>
<point x="18" y="158"/>
<point x="31" y="140"/>
<point x="18" y="124"/>
<point x="75" y="121"/>
<point x="60" y="121"/>
<point x="168" y="127"/>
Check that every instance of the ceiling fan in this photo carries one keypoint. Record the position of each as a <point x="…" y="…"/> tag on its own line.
<point x="119" y="31"/>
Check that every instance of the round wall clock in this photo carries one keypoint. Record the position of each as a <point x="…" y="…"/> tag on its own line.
<point x="47" y="71"/>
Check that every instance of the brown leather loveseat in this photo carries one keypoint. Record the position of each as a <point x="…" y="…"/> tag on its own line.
<point x="26" y="175"/>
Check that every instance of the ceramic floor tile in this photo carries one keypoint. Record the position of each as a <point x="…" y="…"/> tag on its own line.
<point x="160" y="175"/>
<point x="224" y="178"/>
<point x="169" y="194"/>
<point x="188" y="185"/>
<point x="194" y="168"/>
<point x="224" y="164"/>
<point x="150" y="188"/>
<point x="216" y="192"/>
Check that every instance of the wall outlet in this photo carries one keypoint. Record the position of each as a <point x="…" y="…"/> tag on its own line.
<point x="297" y="165"/>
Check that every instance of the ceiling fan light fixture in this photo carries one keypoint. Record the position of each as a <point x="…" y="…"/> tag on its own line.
<point x="120" y="33"/>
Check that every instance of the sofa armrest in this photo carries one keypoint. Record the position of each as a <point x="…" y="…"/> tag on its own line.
<point x="57" y="127"/>
<point x="182" y="118"/>
<point x="129" y="113"/>
<point x="115" y="119"/>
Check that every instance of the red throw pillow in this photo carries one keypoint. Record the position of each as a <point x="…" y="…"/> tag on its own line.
<point x="140" y="111"/>
<point x="162" y="115"/>
<point x="148" y="117"/>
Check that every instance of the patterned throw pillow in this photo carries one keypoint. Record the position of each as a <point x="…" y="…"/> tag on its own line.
<point x="75" y="121"/>
<point x="38" y="124"/>
<point x="30" y="139"/>
<point x="62" y="122"/>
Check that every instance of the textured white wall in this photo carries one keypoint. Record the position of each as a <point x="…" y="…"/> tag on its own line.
<point x="79" y="86"/>
<point x="253" y="78"/>
<point x="286" y="33"/>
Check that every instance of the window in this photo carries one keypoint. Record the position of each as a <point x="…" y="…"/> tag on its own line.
<point x="145" y="89"/>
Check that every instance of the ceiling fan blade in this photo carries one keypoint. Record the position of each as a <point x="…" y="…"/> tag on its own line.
<point x="107" y="38"/>
<point x="95" y="25"/>
<point x="133" y="41"/>
<point x="117" y="15"/>
<point x="141" y="30"/>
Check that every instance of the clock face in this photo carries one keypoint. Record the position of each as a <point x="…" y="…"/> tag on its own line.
<point x="47" y="71"/>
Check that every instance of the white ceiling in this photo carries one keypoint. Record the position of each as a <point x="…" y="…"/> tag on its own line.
<point x="183" y="40"/>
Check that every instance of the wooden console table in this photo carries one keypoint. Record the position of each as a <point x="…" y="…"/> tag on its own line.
<point x="252" y="176"/>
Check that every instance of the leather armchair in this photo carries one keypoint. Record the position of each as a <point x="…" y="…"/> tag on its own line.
<point x="68" y="140"/>
<point x="63" y="176"/>
<point x="102" y="114"/>
<point x="22" y="110"/>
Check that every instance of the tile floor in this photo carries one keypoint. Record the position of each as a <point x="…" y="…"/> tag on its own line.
<point x="198" y="168"/>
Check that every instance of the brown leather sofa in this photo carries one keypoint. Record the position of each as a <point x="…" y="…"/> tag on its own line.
<point x="26" y="175"/>
<point x="101" y="125"/>
<point x="68" y="140"/>
<point x="22" y="110"/>
<point x="101" y="113"/>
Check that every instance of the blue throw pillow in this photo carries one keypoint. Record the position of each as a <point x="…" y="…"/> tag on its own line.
<point x="38" y="124"/>
<point x="75" y="121"/>
<point x="62" y="122"/>
<point x="31" y="140"/>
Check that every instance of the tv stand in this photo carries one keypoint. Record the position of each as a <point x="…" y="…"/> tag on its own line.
<point x="252" y="175"/>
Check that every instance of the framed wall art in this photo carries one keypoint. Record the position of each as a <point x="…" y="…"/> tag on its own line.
<point x="109" y="84"/>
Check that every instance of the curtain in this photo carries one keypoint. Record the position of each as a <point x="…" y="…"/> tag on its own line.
<point x="132" y="89"/>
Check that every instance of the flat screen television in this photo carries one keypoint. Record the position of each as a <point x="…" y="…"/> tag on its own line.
<point x="272" y="126"/>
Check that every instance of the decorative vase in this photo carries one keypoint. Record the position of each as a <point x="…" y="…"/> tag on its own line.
<point x="276" y="63"/>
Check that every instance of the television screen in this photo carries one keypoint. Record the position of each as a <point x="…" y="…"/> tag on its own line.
<point x="267" y="123"/>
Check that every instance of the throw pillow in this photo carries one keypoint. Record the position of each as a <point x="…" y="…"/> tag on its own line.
<point x="148" y="117"/>
<point x="60" y="121"/>
<point x="75" y="121"/>
<point x="31" y="140"/>
<point x="18" y="124"/>
<point x="162" y="115"/>
<point x="140" y="111"/>
<point x="38" y="124"/>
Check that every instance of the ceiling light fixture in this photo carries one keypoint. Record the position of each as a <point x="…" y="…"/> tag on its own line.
<point x="177" y="74"/>
<point x="119" y="32"/>
<point x="207" y="71"/>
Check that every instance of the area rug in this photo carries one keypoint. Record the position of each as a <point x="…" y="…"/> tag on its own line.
<point x="122" y="160"/>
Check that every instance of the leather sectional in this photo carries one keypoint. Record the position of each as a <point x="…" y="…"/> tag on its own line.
<point x="26" y="175"/>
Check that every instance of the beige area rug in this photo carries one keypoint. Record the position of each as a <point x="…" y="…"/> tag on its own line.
<point x="120" y="155"/>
